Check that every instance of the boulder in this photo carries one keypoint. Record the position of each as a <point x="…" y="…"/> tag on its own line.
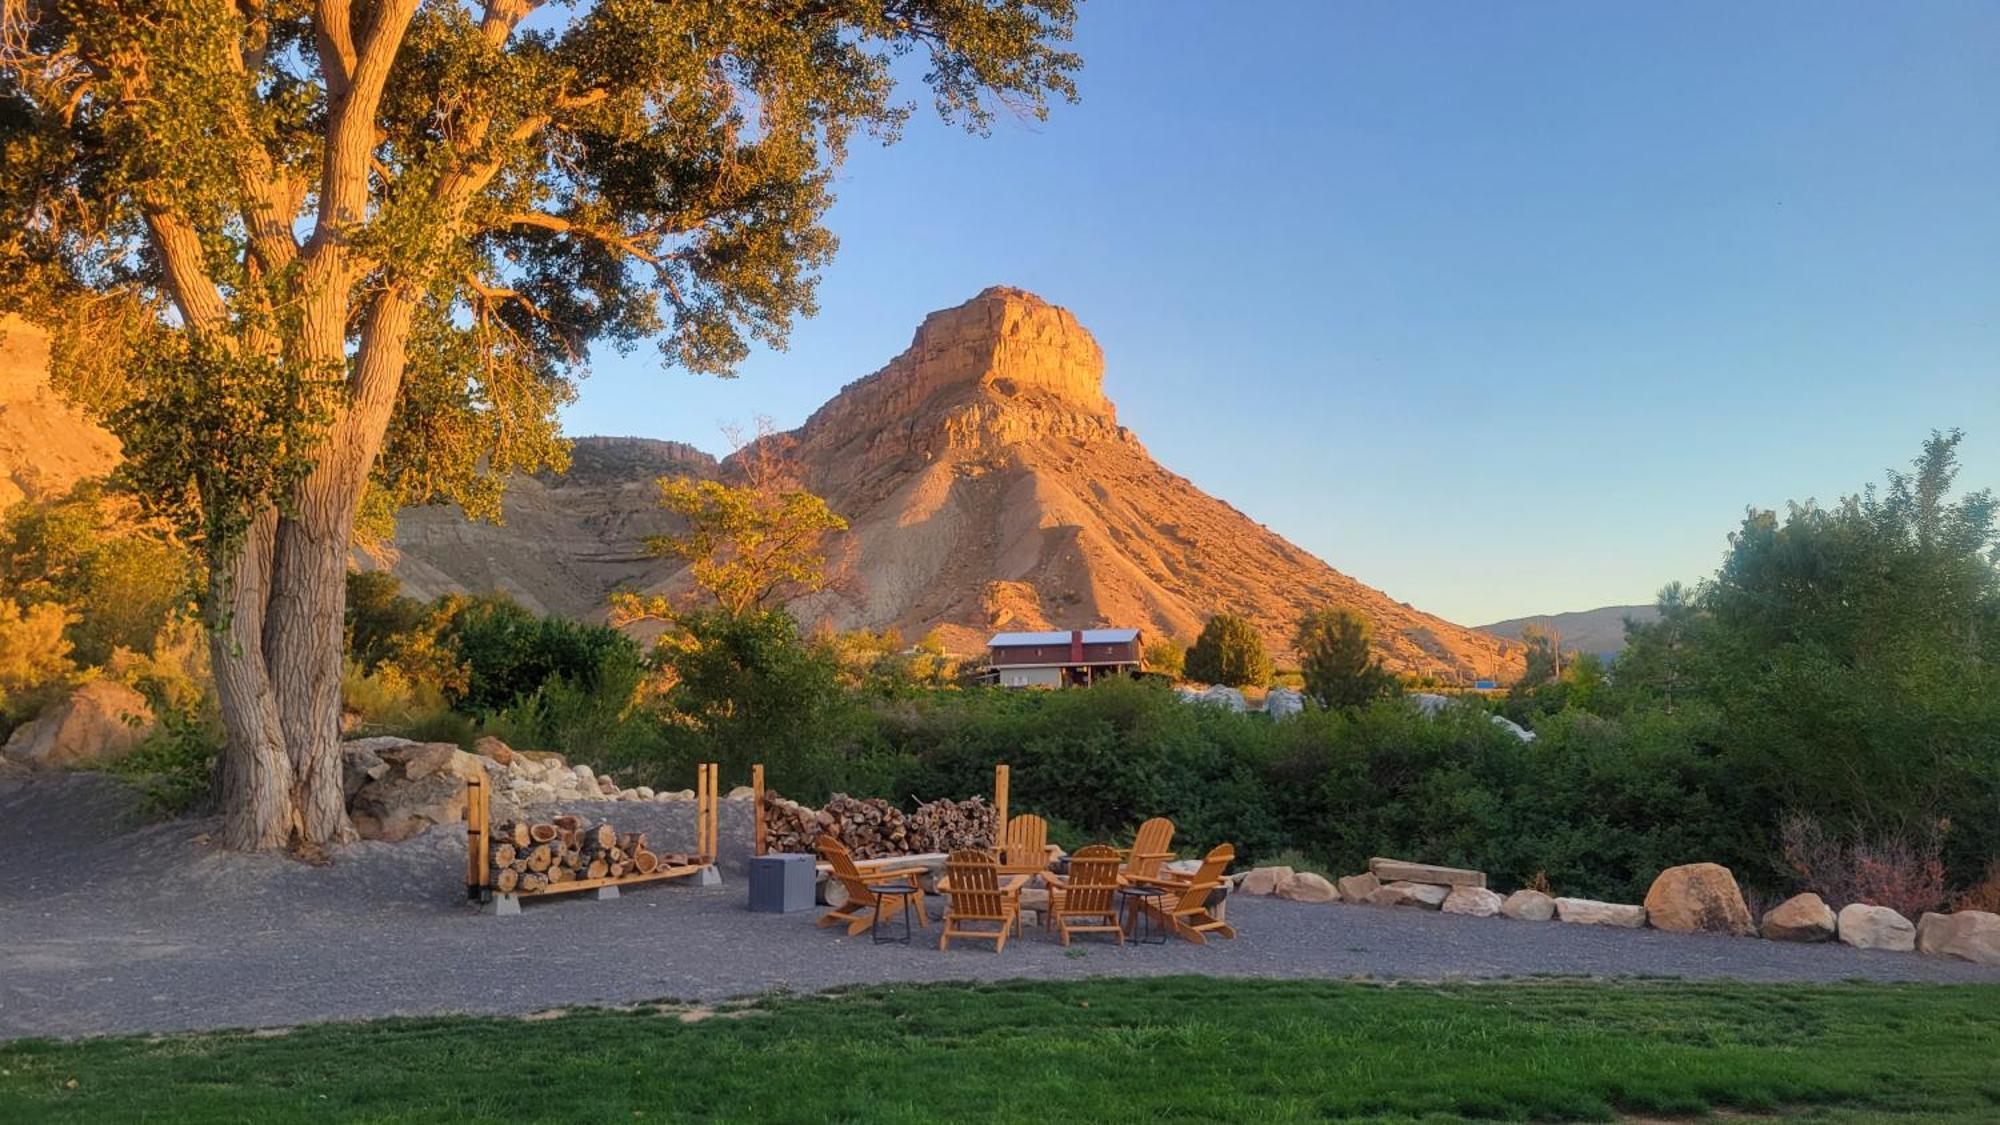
<point x="645" y="792"/>
<point x="1876" y="927"/>
<point x="1475" y="901"/>
<point x="1284" y="702"/>
<point x="1304" y="886"/>
<point x="1698" y="898"/>
<point x="1403" y="871"/>
<point x="1220" y="696"/>
<point x="1263" y="880"/>
<point x="740" y="793"/>
<point x="1357" y="888"/>
<point x="423" y="785"/>
<point x="1426" y="896"/>
<point x="1969" y="935"/>
<point x="1589" y="912"/>
<point x="98" y="723"/>
<point x="1804" y="917"/>
<point x="491" y="747"/>
<point x="1529" y="906"/>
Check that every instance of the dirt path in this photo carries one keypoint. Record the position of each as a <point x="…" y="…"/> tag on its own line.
<point x="106" y="928"/>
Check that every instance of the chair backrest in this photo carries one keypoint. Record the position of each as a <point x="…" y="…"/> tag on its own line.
<point x="836" y="853"/>
<point x="1027" y="840"/>
<point x="1206" y="878"/>
<point x="1093" y="879"/>
<point x="972" y="878"/>
<point x="1150" y="846"/>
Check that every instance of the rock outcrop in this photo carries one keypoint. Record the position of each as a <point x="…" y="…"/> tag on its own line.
<point x="46" y="445"/>
<point x="988" y="485"/>
<point x="98" y="723"/>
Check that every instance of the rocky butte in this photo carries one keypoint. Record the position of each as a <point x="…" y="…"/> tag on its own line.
<point x="988" y="486"/>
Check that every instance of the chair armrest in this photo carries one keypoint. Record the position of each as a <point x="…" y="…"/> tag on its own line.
<point x="892" y="873"/>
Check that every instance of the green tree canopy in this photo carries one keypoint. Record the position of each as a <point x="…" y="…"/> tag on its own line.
<point x="1229" y="651"/>
<point x="302" y="253"/>
<point x="1338" y="659"/>
<point x="747" y="547"/>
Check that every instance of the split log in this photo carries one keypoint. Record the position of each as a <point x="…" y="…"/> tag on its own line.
<point x="597" y="868"/>
<point x="645" y="863"/>
<point x="515" y="833"/>
<point x="569" y="823"/>
<point x="601" y="838"/>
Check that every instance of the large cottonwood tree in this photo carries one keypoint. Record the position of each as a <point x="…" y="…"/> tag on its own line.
<point x="315" y="259"/>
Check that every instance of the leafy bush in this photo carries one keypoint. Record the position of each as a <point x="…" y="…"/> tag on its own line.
<point x="1229" y="651"/>
<point x="508" y="652"/>
<point x="34" y="659"/>
<point x="174" y="767"/>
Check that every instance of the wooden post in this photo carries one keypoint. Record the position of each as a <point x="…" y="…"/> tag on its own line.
<point x="757" y="795"/>
<point x="477" y="811"/>
<point x="1000" y="805"/>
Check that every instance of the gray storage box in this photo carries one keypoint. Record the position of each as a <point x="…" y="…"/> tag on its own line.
<point x="782" y="882"/>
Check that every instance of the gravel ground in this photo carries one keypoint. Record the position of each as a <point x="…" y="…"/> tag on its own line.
<point x="108" y="928"/>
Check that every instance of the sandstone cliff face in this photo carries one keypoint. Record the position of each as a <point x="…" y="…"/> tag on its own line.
<point x="988" y="486"/>
<point x="45" y="444"/>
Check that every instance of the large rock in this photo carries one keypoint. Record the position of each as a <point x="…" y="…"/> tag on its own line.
<point x="491" y="747"/>
<point x="1403" y="871"/>
<point x="1357" y="888"/>
<point x="1804" y="917"/>
<point x="1284" y="702"/>
<point x="1222" y="696"/>
<point x="423" y="785"/>
<point x="1263" y="880"/>
<point x="1698" y="898"/>
<point x="96" y="724"/>
<point x="1304" y="886"/>
<point x="1590" y="912"/>
<point x="1425" y="896"/>
<point x="1876" y="927"/>
<point x="1969" y="935"/>
<point x="1529" y="906"/>
<point x="1475" y="901"/>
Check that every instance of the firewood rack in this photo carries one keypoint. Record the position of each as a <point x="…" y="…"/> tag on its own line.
<point x="479" y="845"/>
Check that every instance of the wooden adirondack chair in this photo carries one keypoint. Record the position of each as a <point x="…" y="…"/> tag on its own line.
<point x="1185" y="910"/>
<point x="1149" y="850"/>
<point x="1085" y="900"/>
<point x="976" y="892"/>
<point x="1026" y="849"/>
<point x="865" y="898"/>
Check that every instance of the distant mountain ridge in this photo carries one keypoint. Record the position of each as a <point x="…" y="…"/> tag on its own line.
<point x="1600" y="630"/>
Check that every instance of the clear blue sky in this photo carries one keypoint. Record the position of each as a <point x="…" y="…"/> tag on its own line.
<point x="1504" y="308"/>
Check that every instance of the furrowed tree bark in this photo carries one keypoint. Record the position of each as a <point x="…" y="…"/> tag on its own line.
<point x="255" y="773"/>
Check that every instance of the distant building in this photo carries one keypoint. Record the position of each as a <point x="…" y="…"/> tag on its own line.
<point x="1055" y="659"/>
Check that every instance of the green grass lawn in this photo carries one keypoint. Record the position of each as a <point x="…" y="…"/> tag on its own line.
<point x="1189" y="1049"/>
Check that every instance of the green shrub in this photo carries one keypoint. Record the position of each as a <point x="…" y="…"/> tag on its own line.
<point x="174" y="766"/>
<point x="1229" y="651"/>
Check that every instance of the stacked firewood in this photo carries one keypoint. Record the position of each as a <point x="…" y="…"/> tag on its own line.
<point x="529" y="857"/>
<point x="872" y="827"/>
<point x="947" y="826"/>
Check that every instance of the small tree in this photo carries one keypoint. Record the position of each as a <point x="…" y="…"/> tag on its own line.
<point x="1338" y="660"/>
<point x="1229" y="651"/>
<point x="746" y="547"/>
<point x="1543" y="662"/>
<point x="1167" y="657"/>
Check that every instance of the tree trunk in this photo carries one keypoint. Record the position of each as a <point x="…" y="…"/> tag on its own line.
<point x="255" y="771"/>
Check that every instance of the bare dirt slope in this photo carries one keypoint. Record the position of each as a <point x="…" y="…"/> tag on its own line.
<point x="46" y="445"/>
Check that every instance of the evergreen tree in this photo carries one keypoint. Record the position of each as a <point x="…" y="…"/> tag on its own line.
<point x="1338" y="661"/>
<point x="1229" y="651"/>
